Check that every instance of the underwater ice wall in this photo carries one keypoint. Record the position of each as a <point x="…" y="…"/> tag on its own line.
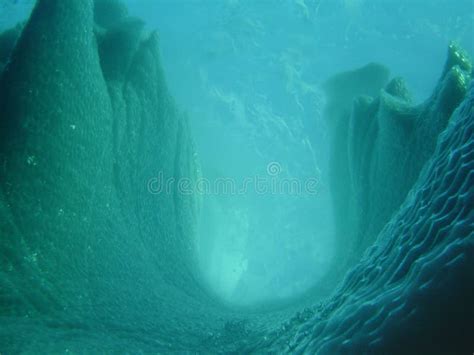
<point x="412" y="290"/>
<point x="381" y="141"/>
<point x="86" y="121"/>
<point x="7" y="42"/>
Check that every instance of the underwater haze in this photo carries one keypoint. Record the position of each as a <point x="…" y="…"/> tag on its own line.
<point x="236" y="176"/>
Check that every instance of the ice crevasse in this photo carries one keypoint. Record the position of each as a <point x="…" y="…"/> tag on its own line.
<point x="91" y="261"/>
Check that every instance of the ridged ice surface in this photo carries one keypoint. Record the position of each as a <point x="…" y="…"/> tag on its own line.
<point x="413" y="289"/>
<point x="381" y="141"/>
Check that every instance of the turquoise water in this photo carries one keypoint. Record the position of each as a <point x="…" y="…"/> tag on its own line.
<point x="236" y="176"/>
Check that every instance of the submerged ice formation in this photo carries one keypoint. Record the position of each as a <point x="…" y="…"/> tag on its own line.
<point x="86" y="121"/>
<point x="91" y="261"/>
<point x="381" y="141"/>
<point x="412" y="291"/>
